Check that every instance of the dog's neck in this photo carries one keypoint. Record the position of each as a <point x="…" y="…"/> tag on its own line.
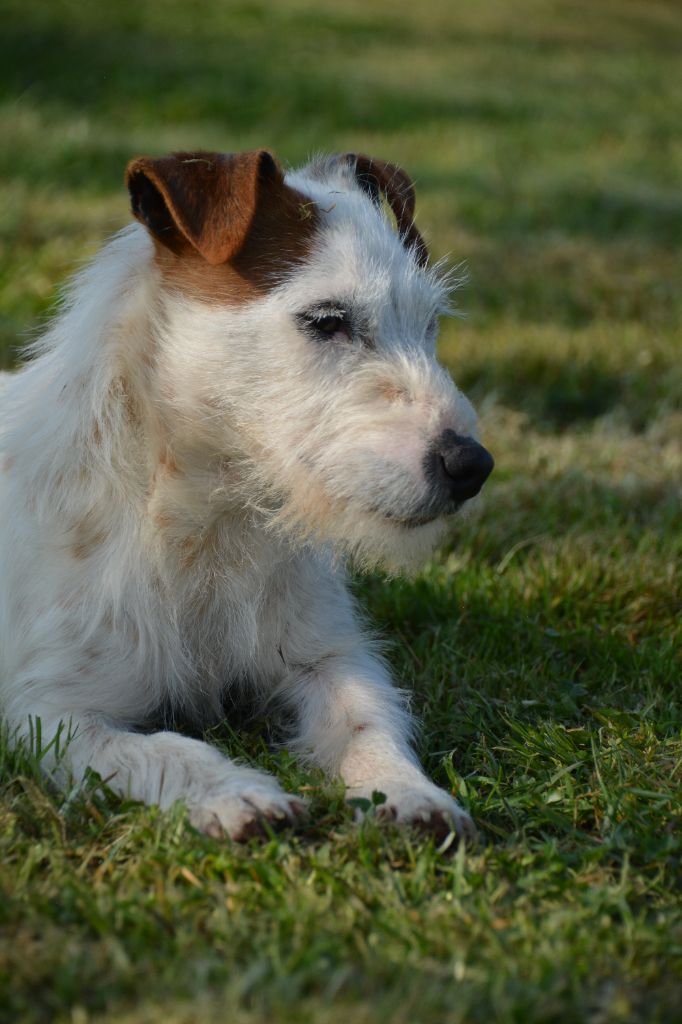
<point x="100" y="432"/>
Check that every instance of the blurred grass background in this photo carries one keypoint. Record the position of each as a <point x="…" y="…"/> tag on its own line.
<point x="542" y="644"/>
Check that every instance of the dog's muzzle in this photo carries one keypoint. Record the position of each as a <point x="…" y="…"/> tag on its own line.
<point x="456" y="468"/>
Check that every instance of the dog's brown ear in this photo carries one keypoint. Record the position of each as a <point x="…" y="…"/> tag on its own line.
<point x="208" y="200"/>
<point x="379" y="178"/>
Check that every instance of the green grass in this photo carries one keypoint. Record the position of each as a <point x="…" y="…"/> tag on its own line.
<point x="542" y="644"/>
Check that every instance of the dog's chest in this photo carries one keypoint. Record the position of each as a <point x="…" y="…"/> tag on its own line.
<point x="230" y="630"/>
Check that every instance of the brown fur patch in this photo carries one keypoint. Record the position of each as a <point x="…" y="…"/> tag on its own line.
<point x="226" y="227"/>
<point x="190" y="556"/>
<point x="93" y="653"/>
<point x="265" y="258"/>
<point x="122" y="393"/>
<point x="392" y="392"/>
<point x="167" y="462"/>
<point x="87" y="539"/>
<point x="196" y="546"/>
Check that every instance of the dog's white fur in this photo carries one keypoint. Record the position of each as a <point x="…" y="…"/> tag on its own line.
<point x="178" y="482"/>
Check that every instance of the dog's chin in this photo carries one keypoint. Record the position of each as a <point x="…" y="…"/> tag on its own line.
<point x="397" y="544"/>
<point x="394" y="539"/>
<point x="412" y="519"/>
<point x="401" y="541"/>
<point x="414" y="522"/>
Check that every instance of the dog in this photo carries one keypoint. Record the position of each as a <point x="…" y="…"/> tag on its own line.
<point x="239" y="396"/>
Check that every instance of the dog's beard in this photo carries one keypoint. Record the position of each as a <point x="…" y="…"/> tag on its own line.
<point x="396" y="530"/>
<point x="368" y="539"/>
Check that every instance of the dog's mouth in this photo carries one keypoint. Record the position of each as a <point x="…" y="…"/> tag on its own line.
<point x="420" y="519"/>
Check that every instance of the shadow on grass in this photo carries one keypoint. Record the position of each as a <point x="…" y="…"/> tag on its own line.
<point x="495" y="679"/>
<point x="569" y="587"/>
<point x="241" y="80"/>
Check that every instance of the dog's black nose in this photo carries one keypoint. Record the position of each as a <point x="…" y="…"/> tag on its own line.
<point x="462" y="465"/>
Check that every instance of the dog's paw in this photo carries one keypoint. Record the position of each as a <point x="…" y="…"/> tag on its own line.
<point x="244" y="811"/>
<point x="420" y="805"/>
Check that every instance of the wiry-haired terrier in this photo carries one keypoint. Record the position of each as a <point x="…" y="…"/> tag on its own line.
<point x="240" y="390"/>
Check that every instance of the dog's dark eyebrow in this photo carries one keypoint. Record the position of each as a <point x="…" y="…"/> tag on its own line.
<point x="327" y="306"/>
<point x="327" y="309"/>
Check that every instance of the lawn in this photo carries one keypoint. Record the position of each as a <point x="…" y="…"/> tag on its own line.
<point x="542" y="644"/>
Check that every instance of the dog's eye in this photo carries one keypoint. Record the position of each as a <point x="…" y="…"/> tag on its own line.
<point x="329" y="325"/>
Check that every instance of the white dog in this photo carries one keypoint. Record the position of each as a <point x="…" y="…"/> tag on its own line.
<point x="239" y="391"/>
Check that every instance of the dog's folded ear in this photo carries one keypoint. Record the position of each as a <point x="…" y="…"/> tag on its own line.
<point x="379" y="178"/>
<point x="208" y="200"/>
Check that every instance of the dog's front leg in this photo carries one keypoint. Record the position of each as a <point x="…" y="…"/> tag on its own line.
<point x="353" y="723"/>
<point x="222" y="798"/>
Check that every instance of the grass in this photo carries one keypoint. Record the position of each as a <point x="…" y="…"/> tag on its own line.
<point x="542" y="645"/>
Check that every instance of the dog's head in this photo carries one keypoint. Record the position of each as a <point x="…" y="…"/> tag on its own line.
<point x="299" y="346"/>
